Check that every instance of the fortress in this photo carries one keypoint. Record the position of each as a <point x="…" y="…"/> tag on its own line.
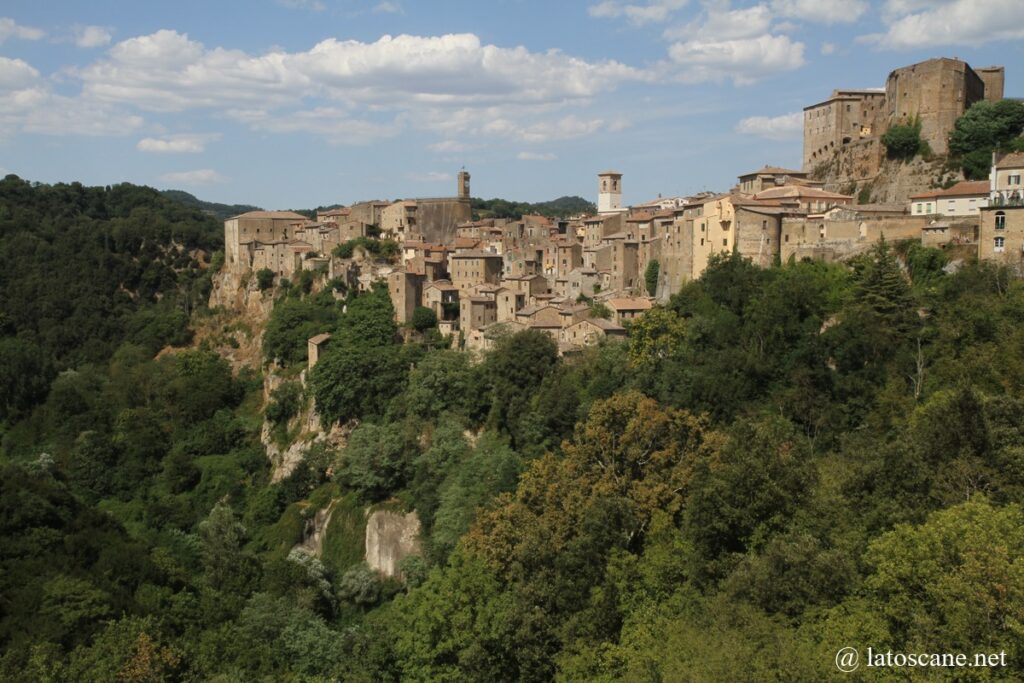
<point x="936" y="92"/>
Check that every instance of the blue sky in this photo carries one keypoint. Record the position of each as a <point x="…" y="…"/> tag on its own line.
<point x="298" y="103"/>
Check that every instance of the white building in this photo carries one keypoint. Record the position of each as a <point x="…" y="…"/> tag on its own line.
<point x="609" y="192"/>
<point x="963" y="199"/>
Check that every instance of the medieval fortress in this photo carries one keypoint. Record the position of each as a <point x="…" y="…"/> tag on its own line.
<point x="583" y="278"/>
<point x="849" y="125"/>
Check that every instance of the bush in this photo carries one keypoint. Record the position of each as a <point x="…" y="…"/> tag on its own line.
<point x="285" y="402"/>
<point x="651" y="277"/>
<point x="264" y="278"/>
<point x="423" y="318"/>
<point x="903" y="141"/>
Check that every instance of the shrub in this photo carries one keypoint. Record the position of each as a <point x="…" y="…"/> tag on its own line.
<point x="903" y="141"/>
<point x="423" y="318"/>
<point x="264" y="278"/>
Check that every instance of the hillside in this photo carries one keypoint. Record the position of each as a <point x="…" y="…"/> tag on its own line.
<point x="555" y="208"/>
<point x="218" y="211"/>
<point x="772" y="461"/>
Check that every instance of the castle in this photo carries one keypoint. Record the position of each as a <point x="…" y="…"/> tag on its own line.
<point x="935" y="92"/>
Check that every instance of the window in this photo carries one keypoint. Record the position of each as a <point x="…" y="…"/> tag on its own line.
<point x="999" y="244"/>
<point x="1000" y="221"/>
<point x="951" y="205"/>
<point x="918" y="207"/>
<point x="725" y="242"/>
<point x="702" y="241"/>
<point x="764" y="225"/>
<point x="1014" y="179"/>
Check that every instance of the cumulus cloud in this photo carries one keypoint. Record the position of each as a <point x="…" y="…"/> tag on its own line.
<point x="168" y="71"/>
<point x="176" y="144"/>
<point x="948" y="22"/>
<point x="11" y="29"/>
<point x="91" y="36"/>
<point x="744" y="61"/>
<point x="637" y="14"/>
<point x="202" y="176"/>
<point x="726" y="24"/>
<point x="821" y="11"/>
<point x="828" y="48"/>
<point x="783" y="127"/>
<point x="536" y="156"/>
<point x="16" y="73"/>
<point x="335" y="125"/>
<point x="388" y="8"/>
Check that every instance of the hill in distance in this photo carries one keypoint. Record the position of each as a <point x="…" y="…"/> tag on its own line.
<point x="219" y="211"/>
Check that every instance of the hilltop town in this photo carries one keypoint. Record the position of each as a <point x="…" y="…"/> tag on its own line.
<point x="581" y="279"/>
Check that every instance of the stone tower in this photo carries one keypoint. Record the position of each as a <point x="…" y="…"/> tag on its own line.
<point x="463" y="184"/>
<point x="609" y="192"/>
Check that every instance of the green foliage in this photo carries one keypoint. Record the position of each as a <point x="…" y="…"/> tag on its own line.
<point x="377" y="460"/>
<point x="378" y="248"/>
<point x="556" y="208"/>
<point x="514" y="371"/>
<point x="423" y="318"/>
<point x="903" y="140"/>
<point x="982" y="129"/>
<point x="293" y="322"/>
<point x="651" y="277"/>
<point x="599" y="309"/>
<point x="285" y="402"/>
<point x="264" y="279"/>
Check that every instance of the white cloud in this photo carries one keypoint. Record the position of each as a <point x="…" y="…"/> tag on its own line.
<point x="743" y="60"/>
<point x="448" y="146"/>
<point x="821" y="11"/>
<point x="725" y="24"/>
<point x="176" y="144"/>
<point x="638" y="14"/>
<point x="783" y="127"/>
<point x="828" y="48"/>
<point x="949" y="22"/>
<point x="312" y="5"/>
<point x="168" y="71"/>
<point x="430" y="177"/>
<point x="16" y="73"/>
<point x="91" y="36"/>
<point x="536" y="156"/>
<point x="388" y="8"/>
<point x="335" y="125"/>
<point x="11" y="29"/>
<point x="202" y="176"/>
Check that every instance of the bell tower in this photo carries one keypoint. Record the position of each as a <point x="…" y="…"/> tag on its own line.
<point x="609" y="192"/>
<point x="463" y="184"/>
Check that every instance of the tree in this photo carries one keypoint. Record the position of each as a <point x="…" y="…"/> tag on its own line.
<point x="903" y="140"/>
<point x="423" y="318"/>
<point x="264" y="279"/>
<point x="515" y="369"/>
<point x="984" y="128"/>
<point x="377" y="462"/>
<point x="357" y="381"/>
<point x="222" y="540"/>
<point x="651" y="277"/>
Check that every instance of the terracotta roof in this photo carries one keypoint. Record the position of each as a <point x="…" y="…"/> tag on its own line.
<point x="774" y="170"/>
<point x="272" y="214"/>
<point x="965" y="188"/>
<point x="475" y="253"/>
<point x="1011" y="160"/>
<point x="799" y="191"/>
<point x="606" y="325"/>
<point x="630" y="304"/>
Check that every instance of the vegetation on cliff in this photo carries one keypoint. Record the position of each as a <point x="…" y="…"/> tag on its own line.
<point x="778" y="463"/>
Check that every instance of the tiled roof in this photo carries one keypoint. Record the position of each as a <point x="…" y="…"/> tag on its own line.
<point x="1011" y="160"/>
<point x="273" y="214"/>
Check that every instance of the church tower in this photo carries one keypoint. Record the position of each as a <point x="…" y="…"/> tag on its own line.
<point x="463" y="184"/>
<point x="609" y="192"/>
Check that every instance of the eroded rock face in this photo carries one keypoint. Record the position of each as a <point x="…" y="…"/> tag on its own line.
<point x="390" y="538"/>
<point x="316" y="530"/>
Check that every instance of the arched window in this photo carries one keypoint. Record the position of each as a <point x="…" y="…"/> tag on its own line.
<point x="1000" y="221"/>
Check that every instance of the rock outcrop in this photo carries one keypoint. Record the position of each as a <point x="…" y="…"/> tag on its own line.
<point x="390" y="538"/>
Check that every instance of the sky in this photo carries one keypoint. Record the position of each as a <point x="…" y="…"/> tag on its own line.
<point x="303" y="103"/>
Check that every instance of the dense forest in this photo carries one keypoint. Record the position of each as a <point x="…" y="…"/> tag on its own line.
<point x="556" y="208"/>
<point x="215" y="209"/>
<point x="778" y="463"/>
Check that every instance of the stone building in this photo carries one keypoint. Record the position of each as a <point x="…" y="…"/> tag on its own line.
<point x="254" y="227"/>
<point x="472" y="268"/>
<point x="935" y="92"/>
<point x="963" y="199"/>
<point x="1001" y="236"/>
